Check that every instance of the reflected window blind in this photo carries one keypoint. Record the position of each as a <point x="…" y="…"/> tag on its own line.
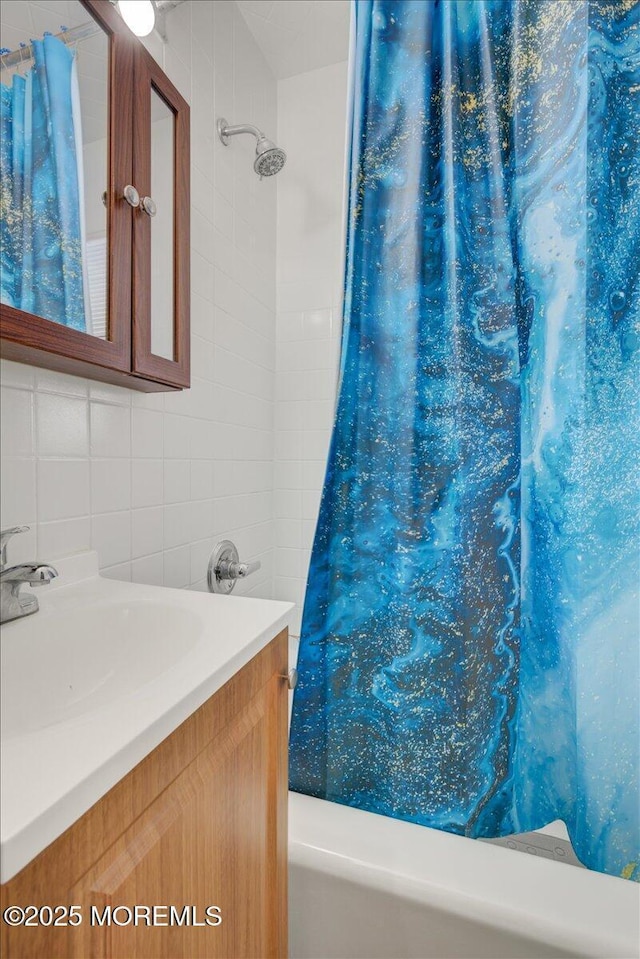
<point x="96" y="265"/>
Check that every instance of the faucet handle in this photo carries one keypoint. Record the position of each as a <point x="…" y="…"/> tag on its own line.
<point x="225" y="568"/>
<point x="5" y="536"/>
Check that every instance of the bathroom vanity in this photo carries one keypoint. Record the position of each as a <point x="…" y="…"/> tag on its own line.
<point x="161" y="790"/>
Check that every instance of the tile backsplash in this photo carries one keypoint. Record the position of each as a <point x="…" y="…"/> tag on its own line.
<point x="152" y="481"/>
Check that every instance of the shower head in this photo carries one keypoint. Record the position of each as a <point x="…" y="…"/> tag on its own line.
<point x="269" y="158"/>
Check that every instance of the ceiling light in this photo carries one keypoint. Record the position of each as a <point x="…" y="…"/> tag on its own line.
<point x="139" y="16"/>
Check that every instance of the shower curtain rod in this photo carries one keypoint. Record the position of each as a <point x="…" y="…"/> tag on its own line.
<point x="22" y="54"/>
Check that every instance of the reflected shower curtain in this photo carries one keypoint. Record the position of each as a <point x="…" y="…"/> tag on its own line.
<point x="469" y="655"/>
<point x="41" y="197"/>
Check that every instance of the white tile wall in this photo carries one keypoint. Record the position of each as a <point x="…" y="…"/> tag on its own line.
<point x="311" y="128"/>
<point x="152" y="481"/>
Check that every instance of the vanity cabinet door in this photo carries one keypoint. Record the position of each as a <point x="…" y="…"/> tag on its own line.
<point x="161" y="171"/>
<point x="209" y="843"/>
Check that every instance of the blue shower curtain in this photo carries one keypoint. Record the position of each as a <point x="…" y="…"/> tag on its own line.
<point x="469" y="656"/>
<point x="40" y="200"/>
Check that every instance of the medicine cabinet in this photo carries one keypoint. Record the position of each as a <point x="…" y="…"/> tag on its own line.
<point x="95" y="200"/>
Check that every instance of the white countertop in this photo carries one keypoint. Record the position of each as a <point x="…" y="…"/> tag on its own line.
<point x="53" y="774"/>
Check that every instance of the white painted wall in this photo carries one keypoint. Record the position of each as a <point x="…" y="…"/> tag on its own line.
<point x="311" y="128"/>
<point x="152" y="481"/>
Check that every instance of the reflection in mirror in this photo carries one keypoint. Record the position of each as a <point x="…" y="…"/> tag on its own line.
<point x="54" y="163"/>
<point x="162" y="227"/>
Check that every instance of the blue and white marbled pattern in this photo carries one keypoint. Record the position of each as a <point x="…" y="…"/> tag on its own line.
<point x="469" y="656"/>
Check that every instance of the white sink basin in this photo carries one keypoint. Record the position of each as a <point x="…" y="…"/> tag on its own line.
<point x="95" y="680"/>
<point x="90" y="658"/>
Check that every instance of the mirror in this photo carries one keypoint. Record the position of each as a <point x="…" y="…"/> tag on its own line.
<point x="162" y="227"/>
<point x="54" y="163"/>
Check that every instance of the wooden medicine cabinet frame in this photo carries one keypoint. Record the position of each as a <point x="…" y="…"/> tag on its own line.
<point x="125" y="357"/>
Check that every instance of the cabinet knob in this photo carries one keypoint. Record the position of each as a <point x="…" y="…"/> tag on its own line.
<point x="149" y="206"/>
<point x="132" y="196"/>
<point x="292" y="678"/>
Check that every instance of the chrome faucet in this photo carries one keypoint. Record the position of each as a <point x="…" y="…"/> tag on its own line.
<point x="13" y="603"/>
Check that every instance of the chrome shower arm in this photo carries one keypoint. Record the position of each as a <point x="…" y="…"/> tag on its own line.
<point x="226" y="131"/>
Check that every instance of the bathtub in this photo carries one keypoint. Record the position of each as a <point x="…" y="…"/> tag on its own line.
<point x="364" y="886"/>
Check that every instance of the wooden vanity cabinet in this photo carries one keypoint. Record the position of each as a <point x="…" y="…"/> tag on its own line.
<point x="200" y="822"/>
